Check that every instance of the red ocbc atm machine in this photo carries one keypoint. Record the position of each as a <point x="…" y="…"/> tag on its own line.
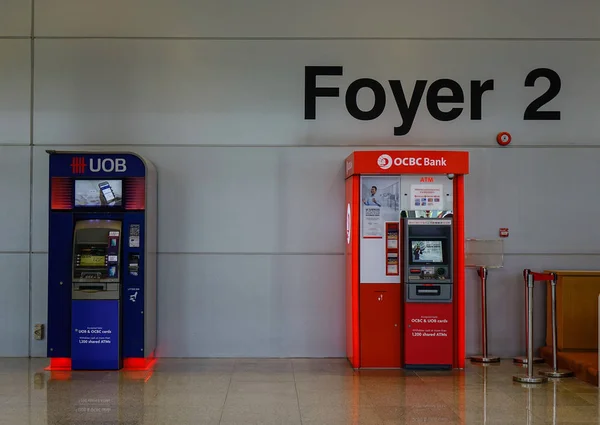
<point x="405" y="278"/>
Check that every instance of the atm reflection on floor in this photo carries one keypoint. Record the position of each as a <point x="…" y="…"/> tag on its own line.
<point x="111" y="397"/>
<point x="405" y="259"/>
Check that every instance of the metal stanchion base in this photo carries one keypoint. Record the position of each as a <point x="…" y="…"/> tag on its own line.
<point x="489" y="359"/>
<point x="523" y="360"/>
<point x="526" y="379"/>
<point x="560" y="373"/>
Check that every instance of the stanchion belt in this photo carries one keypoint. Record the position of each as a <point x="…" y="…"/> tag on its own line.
<point x="543" y="276"/>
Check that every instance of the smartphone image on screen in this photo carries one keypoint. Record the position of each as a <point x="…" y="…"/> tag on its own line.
<point x="107" y="191"/>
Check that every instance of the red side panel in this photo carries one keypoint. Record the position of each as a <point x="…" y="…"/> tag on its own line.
<point x="135" y="193"/>
<point x="459" y="271"/>
<point x="380" y="325"/>
<point x="352" y="262"/>
<point x="428" y="334"/>
<point x="61" y="193"/>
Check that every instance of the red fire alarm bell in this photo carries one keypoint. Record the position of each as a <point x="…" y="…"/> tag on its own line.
<point x="504" y="232"/>
<point x="503" y="138"/>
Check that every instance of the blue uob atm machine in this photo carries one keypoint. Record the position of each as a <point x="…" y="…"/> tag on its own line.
<point x="101" y="261"/>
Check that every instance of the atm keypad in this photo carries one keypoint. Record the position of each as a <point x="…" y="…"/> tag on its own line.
<point x="427" y="273"/>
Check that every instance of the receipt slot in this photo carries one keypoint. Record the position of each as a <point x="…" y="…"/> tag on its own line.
<point x="428" y="289"/>
<point x="101" y="261"/>
<point x="405" y="279"/>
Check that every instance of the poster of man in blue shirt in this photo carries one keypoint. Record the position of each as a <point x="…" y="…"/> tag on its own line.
<point x="372" y="199"/>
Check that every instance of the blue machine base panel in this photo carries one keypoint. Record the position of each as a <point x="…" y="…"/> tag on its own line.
<point x="95" y="338"/>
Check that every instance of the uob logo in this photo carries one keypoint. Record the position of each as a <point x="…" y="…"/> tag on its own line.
<point x="107" y="165"/>
<point x="78" y="165"/>
<point x="384" y="161"/>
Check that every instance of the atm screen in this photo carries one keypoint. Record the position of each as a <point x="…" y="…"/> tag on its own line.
<point x="98" y="193"/>
<point x="92" y="261"/>
<point x="91" y="256"/>
<point x="427" y="251"/>
<point x="96" y="250"/>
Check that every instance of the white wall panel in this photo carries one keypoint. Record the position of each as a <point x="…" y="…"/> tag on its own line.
<point x="318" y="18"/>
<point x="544" y="196"/>
<point x="506" y="309"/>
<point x="15" y="18"/>
<point x="39" y="301"/>
<point x="251" y="92"/>
<point x="15" y="74"/>
<point x="14" y="198"/>
<point x="251" y="306"/>
<point x="40" y="200"/>
<point x="14" y="305"/>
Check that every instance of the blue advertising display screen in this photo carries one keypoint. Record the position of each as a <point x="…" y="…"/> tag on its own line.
<point x="98" y="193"/>
<point x="95" y="335"/>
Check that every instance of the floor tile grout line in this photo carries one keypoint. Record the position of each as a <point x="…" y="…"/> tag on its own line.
<point x="296" y="389"/>
<point x="227" y="394"/>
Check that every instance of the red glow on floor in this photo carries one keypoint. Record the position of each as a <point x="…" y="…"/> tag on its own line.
<point x="139" y="363"/>
<point x="59" y="364"/>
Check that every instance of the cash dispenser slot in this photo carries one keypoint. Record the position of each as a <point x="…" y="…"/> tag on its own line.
<point x="429" y="293"/>
<point x="429" y="290"/>
<point x="91" y="288"/>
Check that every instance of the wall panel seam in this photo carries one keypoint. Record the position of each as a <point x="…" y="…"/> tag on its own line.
<point x="16" y="145"/>
<point x="309" y="38"/>
<point x="341" y="146"/>
<point x="324" y="254"/>
<point x="219" y="253"/>
<point x="31" y="147"/>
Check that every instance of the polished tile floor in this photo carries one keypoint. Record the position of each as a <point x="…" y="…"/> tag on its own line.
<point x="284" y="391"/>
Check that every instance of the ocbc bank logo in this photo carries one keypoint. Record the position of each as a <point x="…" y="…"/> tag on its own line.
<point x="385" y="162"/>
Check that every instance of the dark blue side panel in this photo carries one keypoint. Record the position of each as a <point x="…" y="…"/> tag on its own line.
<point x="95" y="335"/>
<point x="59" y="284"/>
<point x="133" y="286"/>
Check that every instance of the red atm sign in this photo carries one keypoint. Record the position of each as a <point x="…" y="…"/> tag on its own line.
<point x="407" y="162"/>
<point x="106" y="165"/>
